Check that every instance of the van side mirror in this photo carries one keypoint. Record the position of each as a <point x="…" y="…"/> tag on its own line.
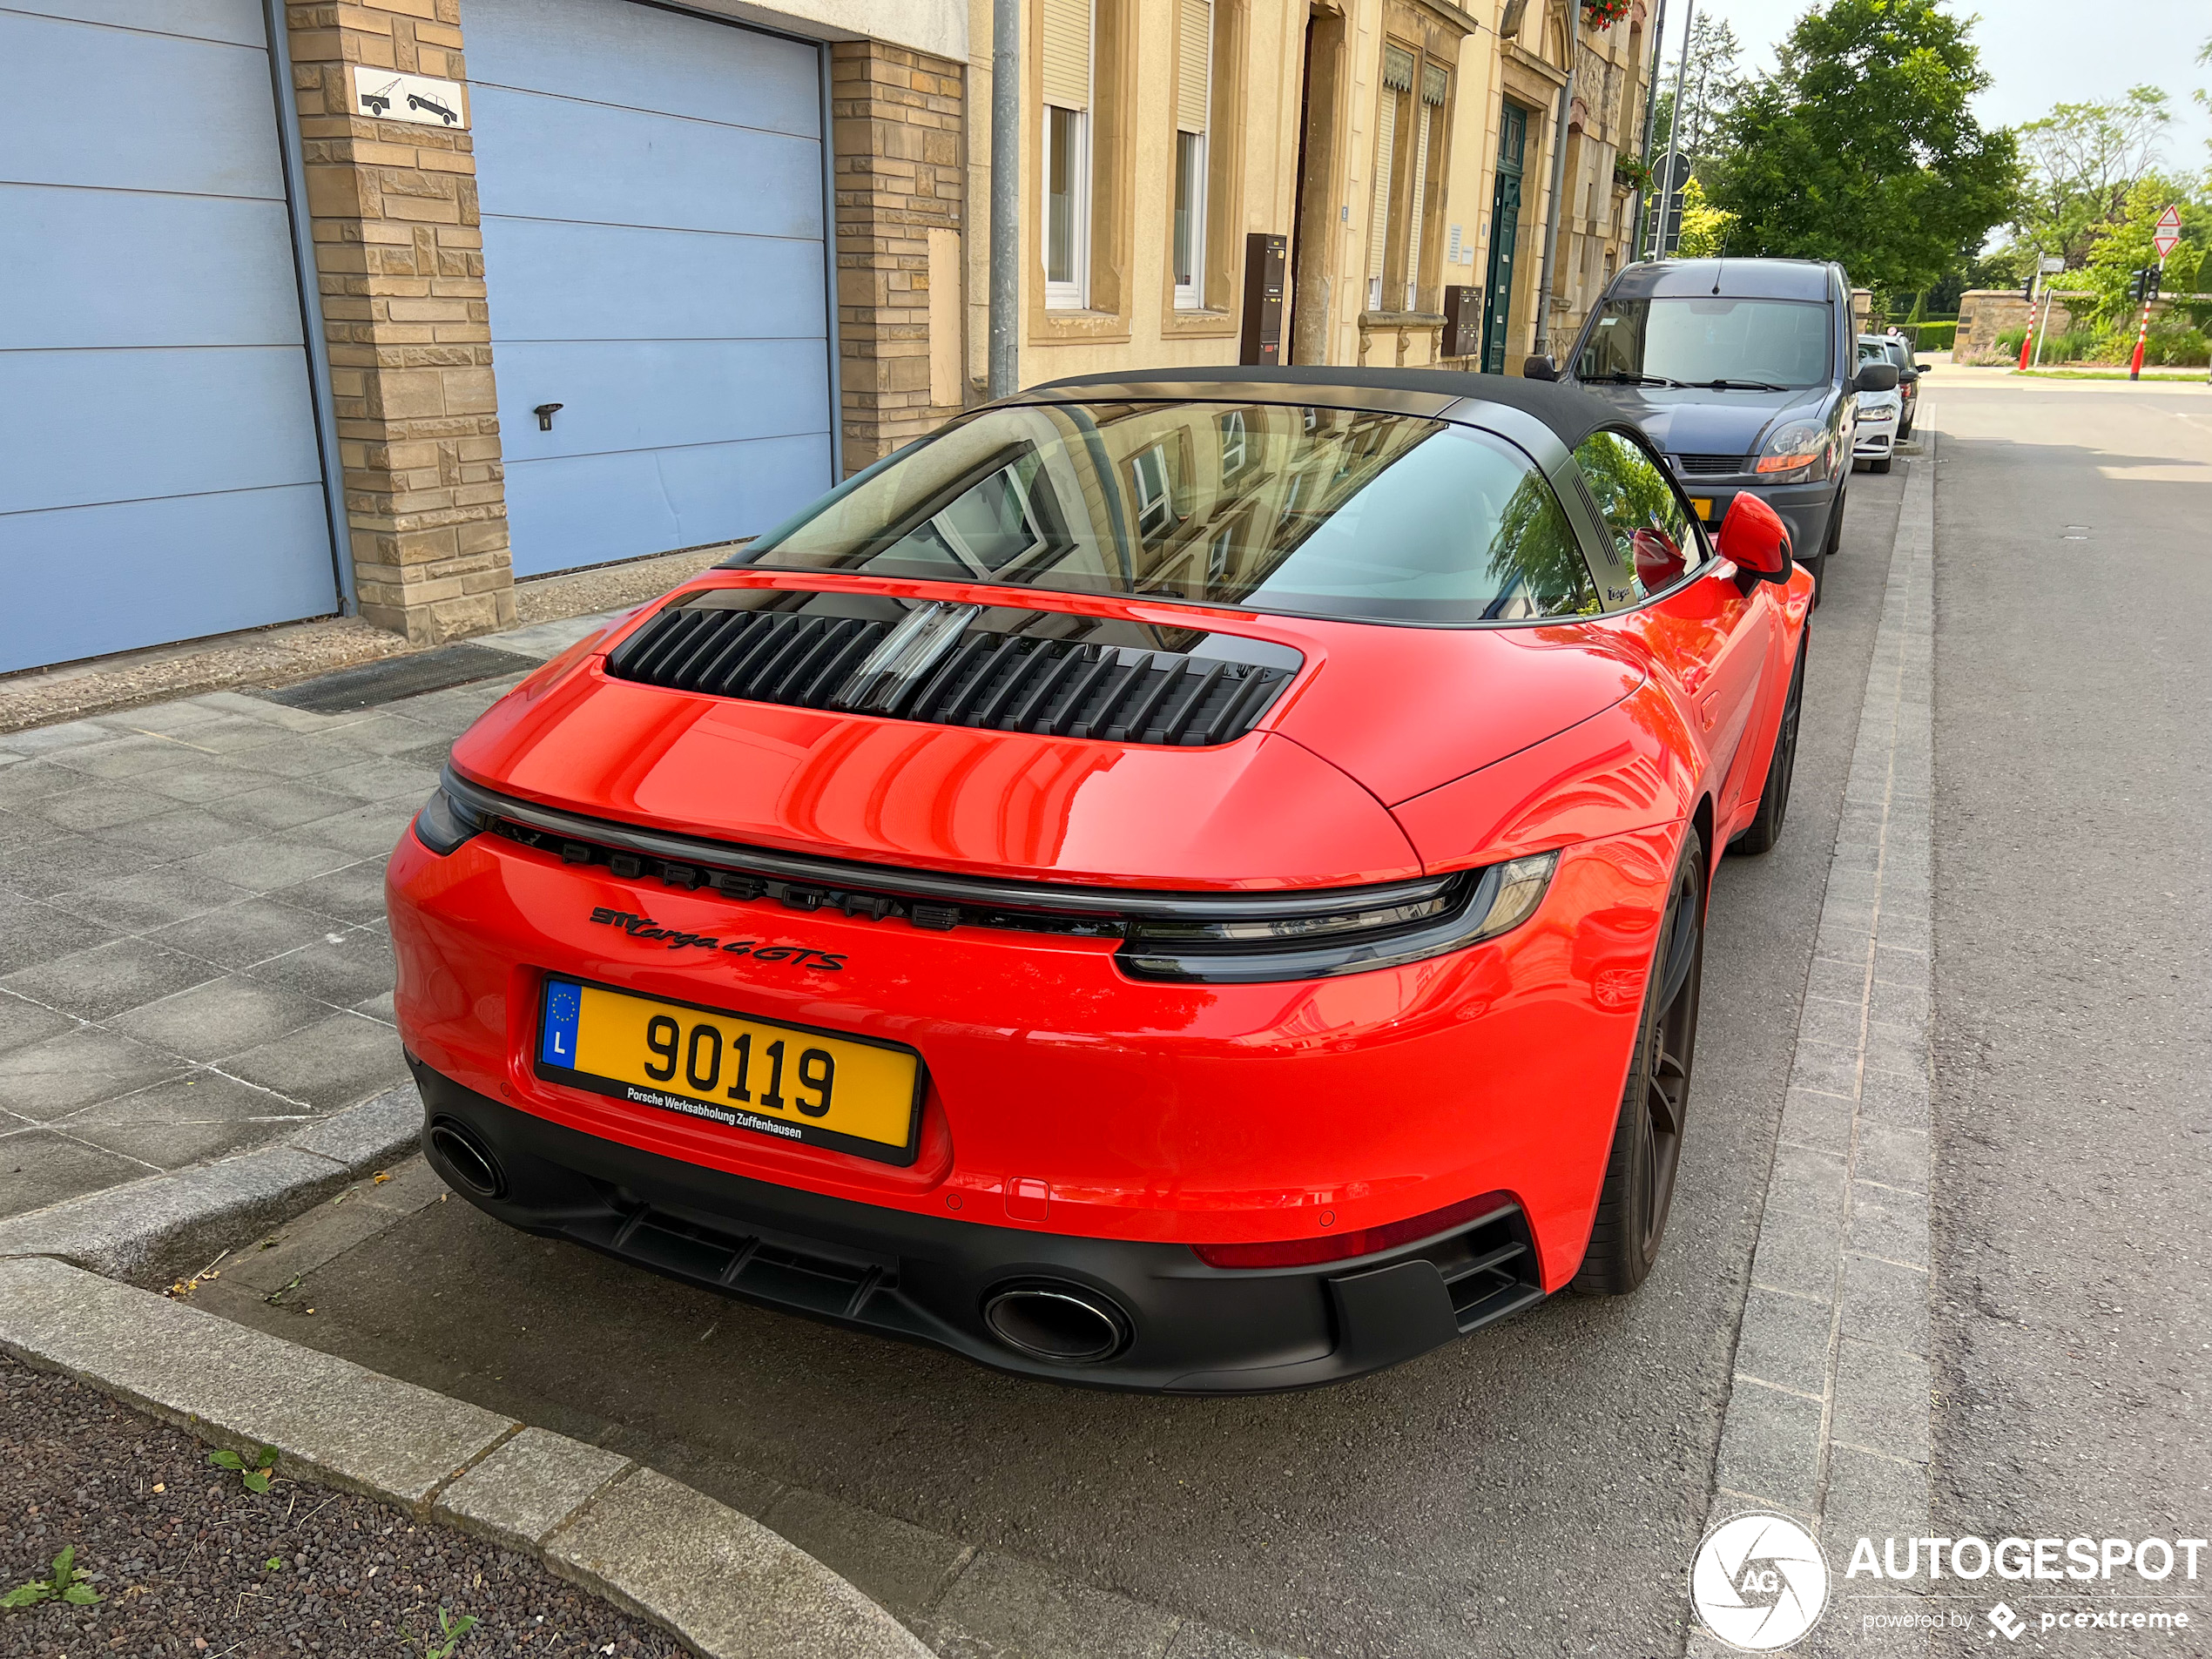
<point x="1876" y="377"/>
<point x="1539" y="367"/>
<point x="1923" y="365"/>
<point x="1754" y="538"/>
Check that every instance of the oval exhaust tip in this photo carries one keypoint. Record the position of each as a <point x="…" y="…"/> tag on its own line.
<point x="1060" y="1323"/>
<point x="467" y="1159"/>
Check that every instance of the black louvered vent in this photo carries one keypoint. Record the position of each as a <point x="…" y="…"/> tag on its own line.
<point x="1707" y="466"/>
<point x="999" y="681"/>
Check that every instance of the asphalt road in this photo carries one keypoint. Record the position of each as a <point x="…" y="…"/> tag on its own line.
<point x="1536" y="1490"/>
<point x="2072" y="1036"/>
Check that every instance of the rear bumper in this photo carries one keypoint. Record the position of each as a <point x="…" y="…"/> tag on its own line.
<point x="1189" y="1328"/>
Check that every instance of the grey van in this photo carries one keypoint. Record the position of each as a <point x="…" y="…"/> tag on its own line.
<point x="1745" y="374"/>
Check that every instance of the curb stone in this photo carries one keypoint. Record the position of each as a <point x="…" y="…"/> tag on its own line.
<point x="721" y="1583"/>
<point x="168" y="1225"/>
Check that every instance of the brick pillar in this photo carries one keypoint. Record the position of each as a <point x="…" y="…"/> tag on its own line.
<point x="399" y="260"/>
<point x="899" y="171"/>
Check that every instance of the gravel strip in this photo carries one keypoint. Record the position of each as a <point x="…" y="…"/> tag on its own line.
<point x="610" y="587"/>
<point x="181" y="1552"/>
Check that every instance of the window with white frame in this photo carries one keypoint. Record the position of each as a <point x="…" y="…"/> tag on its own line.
<point x="1398" y="86"/>
<point x="1429" y="135"/>
<point x="1152" y="482"/>
<point x="1193" y="121"/>
<point x="1068" y="36"/>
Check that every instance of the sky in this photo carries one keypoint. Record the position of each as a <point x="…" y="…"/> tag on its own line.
<point x="2037" y="53"/>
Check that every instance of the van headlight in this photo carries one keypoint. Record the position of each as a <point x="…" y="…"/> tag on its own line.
<point x="1796" y="452"/>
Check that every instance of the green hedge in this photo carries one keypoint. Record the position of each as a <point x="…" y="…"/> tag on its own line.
<point x="1934" y="336"/>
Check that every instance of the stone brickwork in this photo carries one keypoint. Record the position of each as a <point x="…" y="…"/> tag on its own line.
<point x="900" y="175"/>
<point x="399" y="260"/>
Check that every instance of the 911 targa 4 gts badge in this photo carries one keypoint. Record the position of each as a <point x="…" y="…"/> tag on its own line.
<point x="645" y="927"/>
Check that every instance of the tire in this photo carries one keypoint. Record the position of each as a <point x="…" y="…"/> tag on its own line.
<point x="1829" y="543"/>
<point x="1764" y="830"/>
<point x="1638" y="1188"/>
<point x="1883" y="465"/>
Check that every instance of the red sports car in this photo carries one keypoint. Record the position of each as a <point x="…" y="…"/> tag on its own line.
<point x="1189" y="883"/>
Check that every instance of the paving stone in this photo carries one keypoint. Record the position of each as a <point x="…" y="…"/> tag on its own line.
<point x="135" y="756"/>
<point x="1770" y="1445"/>
<point x="1830" y="1022"/>
<point x="1881" y="1400"/>
<point x="200" y="1096"/>
<point x="357" y="965"/>
<point x="171" y="718"/>
<point x="178" y="1145"/>
<point x="1893" y="1156"/>
<point x="332" y="1064"/>
<point x="172" y="835"/>
<point x="1823" y="1121"/>
<point x="1885" y="1304"/>
<point x="224" y="1015"/>
<point x="1826" y="1067"/>
<point x="96" y="807"/>
<point x="327" y="1418"/>
<point x="1798" y="1253"/>
<point x="1805" y="1181"/>
<point x="31" y="933"/>
<point x="303" y="757"/>
<point x="260" y="866"/>
<point x="529" y="1487"/>
<point x="44" y="1080"/>
<point x="231" y="734"/>
<point x="382" y="779"/>
<point x="1784" y="1340"/>
<point x="42" y="1166"/>
<point x="386" y="733"/>
<point x="724" y="1582"/>
<point x="59" y="861"/>
<point x="33" y="780"/>
<point x="1892" y="1003"/>
<point x="1902" y="1050"/>
<point x="1890" y="1223"/>
<point x="269" y="713"/>
<point x="49" y="739"/>
<point x="153" y="898"/>
<point x="283" y="804"/>
<point x="367" y="831"/>
<point x="1871" y="1496"/>
<point x="378" y="1008"/>
<point x="1889" y="1099"/>
<point x="23" y="1022"/>
<point x="903" y="1567"/>
<point x="211" y="779"/>
<point x="378" y="1131"/>
<point x="244" y="932"/>
<point x="1837" y="978"/>
<point x="105" y="980"/>
<point x="354" y="893"/>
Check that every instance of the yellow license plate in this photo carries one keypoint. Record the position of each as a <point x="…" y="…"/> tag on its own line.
<point x="1701" y="505"/>
<point x="790" y="1082"/>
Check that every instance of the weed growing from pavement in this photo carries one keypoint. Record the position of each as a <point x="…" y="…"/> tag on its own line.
<point x="67" y="1584"/>
<point x="256" y="1474"/>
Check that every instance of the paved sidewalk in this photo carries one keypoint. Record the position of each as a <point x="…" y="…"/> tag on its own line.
<point x="194" y="956"/>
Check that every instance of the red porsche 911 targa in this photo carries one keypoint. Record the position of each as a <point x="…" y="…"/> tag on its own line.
<point x="1190" y="883"/>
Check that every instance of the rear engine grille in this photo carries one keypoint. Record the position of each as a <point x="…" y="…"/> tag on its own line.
<point x="1001" y="682"/>
<point x="1708" y="466"/>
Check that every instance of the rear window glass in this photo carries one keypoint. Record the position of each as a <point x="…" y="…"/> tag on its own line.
<point x="1263" y="507"/>
<point x="1697" y="340"/>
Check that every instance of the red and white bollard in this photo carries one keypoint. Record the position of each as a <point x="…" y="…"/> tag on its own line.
<point x="2142" y="337"/>
<point x="2028" y="339"/>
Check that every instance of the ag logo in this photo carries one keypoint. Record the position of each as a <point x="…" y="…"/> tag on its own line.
<point x="1759" y="1582"/>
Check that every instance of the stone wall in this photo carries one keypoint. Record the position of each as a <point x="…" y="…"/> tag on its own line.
<point x="398" y="261"/>
<point x="1984" y="313"/>
<point x="900" y="188"/>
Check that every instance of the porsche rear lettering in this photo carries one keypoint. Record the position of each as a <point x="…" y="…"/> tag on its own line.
<point x="646" y="928"/>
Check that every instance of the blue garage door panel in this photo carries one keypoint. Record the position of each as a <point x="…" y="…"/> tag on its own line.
<point x="653" y="197"/>
<point x="210" y="553"/>
<point x="163" y="478"/>
<point x="677" y="285"/>
<point x="82" y="428"/>
<point x="647" y="501"/>
<point x="65" y="249"/>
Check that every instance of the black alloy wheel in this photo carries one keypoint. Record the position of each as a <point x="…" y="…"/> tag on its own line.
<point x="1639" y="1186"/>
<point x="1764" y="830"/>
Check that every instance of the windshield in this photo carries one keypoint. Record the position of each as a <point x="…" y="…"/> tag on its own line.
<point x="1266" y="507"/>
<point x="1779" y="343"/>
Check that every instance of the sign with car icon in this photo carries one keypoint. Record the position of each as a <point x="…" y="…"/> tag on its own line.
<point x="382" y="94"/>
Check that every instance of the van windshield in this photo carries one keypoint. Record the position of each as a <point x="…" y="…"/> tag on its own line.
<point x="1697" y="340"/>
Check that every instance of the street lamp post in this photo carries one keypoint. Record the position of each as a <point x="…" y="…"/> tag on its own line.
<point x="1673" y="136"/>
<point x="1559" y="179"/>
<point x="1005" y="357"/>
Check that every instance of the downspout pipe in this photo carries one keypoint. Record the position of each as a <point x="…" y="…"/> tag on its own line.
<point x="1004" y="364"/>
<point x="1650" y="124"/>
<point x="1553" y="209"/>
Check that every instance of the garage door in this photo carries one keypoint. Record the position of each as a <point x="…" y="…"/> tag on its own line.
<point x="162" y="478"/>
<point x="652" y="189"/>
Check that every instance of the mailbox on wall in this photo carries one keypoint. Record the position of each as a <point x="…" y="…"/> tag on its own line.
<point x="1262" y="340"/>
<point x="1462" y="322"/>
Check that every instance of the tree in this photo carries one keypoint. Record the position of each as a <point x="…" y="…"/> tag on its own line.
<point x="2125" y="247"/>
<point x="1710" y="89"/>
<point x="1706" y="228"/>
<point x="1861" y="147"/>
<point x="2082" y="160"/>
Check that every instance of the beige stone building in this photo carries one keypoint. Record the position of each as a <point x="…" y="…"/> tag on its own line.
<point x="461" y="292"/>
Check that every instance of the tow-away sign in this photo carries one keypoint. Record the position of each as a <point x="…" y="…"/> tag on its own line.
<point x="2169" y="231"/>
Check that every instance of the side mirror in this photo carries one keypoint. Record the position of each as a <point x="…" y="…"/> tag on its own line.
<point x="1923" y="365"/>
<point x="1754" y="538"/>
<point x="1539" y="367"/>
<point x="1876" y="377"/>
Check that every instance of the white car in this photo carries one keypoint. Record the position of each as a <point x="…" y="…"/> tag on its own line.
<point x="1879" y="413"/>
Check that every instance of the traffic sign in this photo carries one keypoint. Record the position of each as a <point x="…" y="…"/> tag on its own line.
<point x="2169" y="231"/>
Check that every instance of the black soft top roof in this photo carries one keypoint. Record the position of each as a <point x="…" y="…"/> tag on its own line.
<point x="1571" y="415"/>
